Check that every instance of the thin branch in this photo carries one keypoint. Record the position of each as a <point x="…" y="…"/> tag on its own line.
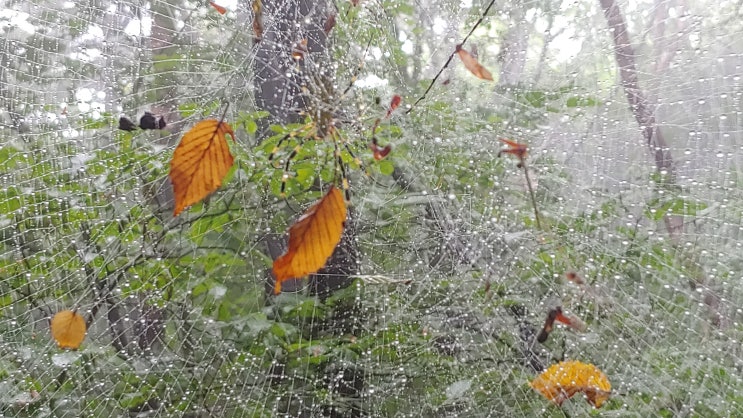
<point x="451" y="56"/>
<point x="531" y="193"/>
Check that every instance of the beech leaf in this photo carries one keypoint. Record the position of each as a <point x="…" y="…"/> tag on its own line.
<point x="200" y="162"/>
<point x="312" y="239"/>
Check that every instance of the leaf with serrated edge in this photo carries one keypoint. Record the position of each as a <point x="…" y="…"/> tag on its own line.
<point x="200" y="162"/>
<point x="312" y="239"/>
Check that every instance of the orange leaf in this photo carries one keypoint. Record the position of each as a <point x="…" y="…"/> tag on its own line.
<point x="563" y="380"/>
<point x="519" y="150"/>
<point x="219" y="8"/>
<point x="312" y="239"/>
<point x="471" y="64"/>
<point x="393" y="104"/>
<point x="68" y="329"/>
<point x="200" y="162"/>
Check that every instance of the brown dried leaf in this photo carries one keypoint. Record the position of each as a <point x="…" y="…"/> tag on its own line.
<point x="473" y="65"/>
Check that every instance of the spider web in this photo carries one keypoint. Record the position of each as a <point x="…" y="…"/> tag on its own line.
<point x="450" y="278"/>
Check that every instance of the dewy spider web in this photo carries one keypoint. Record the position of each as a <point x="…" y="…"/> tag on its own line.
<point x="454" y="278"/>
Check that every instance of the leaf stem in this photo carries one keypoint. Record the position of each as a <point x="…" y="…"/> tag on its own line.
<point x="531" y="193"/>
<point x="224" y="114"/>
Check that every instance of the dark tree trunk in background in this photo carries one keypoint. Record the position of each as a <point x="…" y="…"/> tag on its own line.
<point x="644" y="113"/>
<point x="281" y="89"/>
<point x="284" y="86"/>
<point x="639" y="104"/>
<point x="278" y="76"/>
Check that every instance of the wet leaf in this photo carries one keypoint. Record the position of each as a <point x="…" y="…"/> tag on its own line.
<point x="312" y="239"/>
<point x="514" y="148"/>
<point x="218" y="8"/>
<point x="563" y="380"/>
<point x="200" y="162"/>
<point x="378" y="152"/>
<point x="394" y="103"/>
<point x="68" y="329"/>
<point x="473" y="65"/>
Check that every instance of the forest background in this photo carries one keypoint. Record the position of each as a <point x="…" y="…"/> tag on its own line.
<point x="451" y="258"/>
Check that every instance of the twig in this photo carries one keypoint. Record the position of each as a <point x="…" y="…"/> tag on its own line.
<point x="451" y="56"/>
<point x="531" y="193"/>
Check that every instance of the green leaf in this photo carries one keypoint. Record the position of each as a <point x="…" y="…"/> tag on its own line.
<point x="251" y="126"/>
<point x="678" y="207"/>
<point x="582" y="102"/>
<point x="386" y="167"/>
<point x="187" y="109"/>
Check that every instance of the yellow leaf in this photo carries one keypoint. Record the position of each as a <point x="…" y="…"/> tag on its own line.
<point x="200" y="162"/>
<point x="312" y="239"/>
<point x="471" y="64"/>
<point x="563" y="380"/>
<point x="68" y="329"/>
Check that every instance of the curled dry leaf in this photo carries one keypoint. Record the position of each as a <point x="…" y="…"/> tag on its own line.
<point x="394" y="103"/>
<point x="473" y="65"/>
<point x="563" y="380"/>
<point x="218" y="8"/>
<point x="378" y="152"/>
<point x="68" y="329"/>
<point x="514" y="148"/>
<point x="200" y="162"/>
<point x="556" y="314"/>
<point x="312" y="239"/>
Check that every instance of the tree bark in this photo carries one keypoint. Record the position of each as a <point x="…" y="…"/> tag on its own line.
<point x="281" y="88"/>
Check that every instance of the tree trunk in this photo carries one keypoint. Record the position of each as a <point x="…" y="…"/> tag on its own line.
<point x="279" y="82"/>
<point x="645" y="116"/>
